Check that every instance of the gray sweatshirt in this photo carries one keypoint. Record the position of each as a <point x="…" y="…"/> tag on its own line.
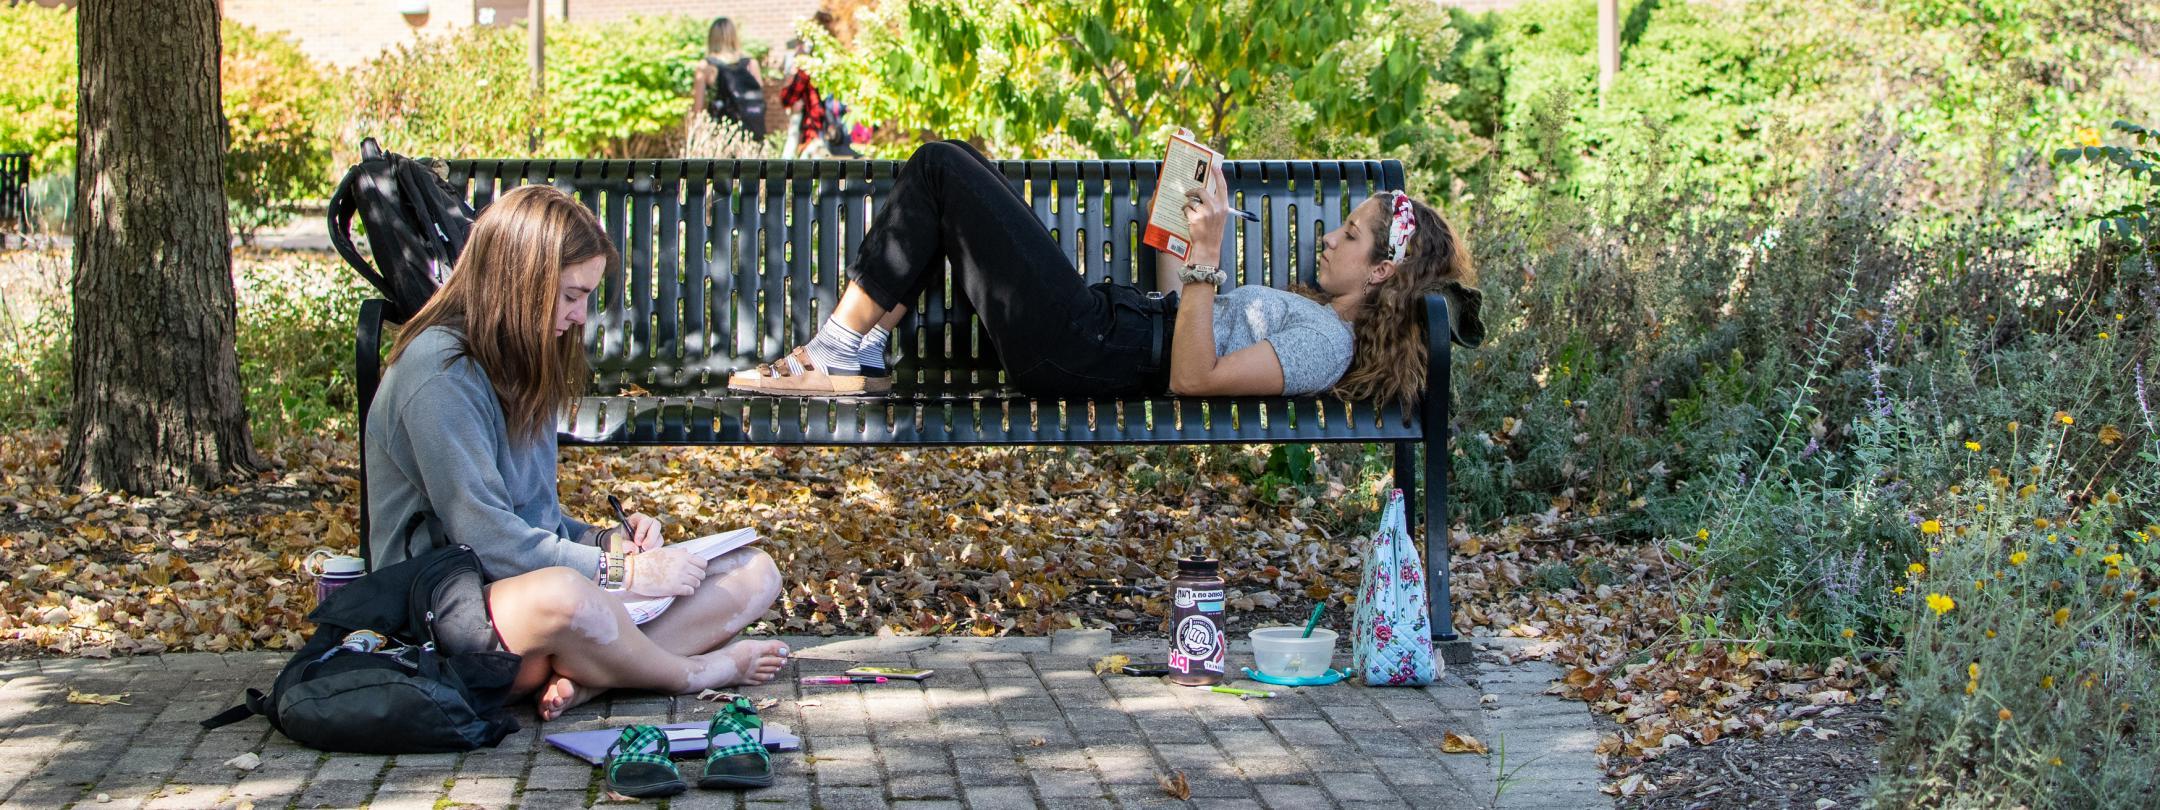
<point x="438" y="447"/>
<point x="1312" y="344"/>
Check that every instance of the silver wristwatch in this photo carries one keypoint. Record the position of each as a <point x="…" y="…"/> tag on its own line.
<point x="1201" y="274"/>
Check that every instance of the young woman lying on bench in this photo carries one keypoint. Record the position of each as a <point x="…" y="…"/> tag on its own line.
<point x="461" y="449"/>
<point x="1361" y="333"/>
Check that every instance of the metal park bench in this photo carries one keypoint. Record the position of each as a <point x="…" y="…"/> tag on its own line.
<point x="730" y="263"/>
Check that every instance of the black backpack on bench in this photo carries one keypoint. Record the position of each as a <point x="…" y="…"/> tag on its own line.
<point x="410" y="697"/>
<point x="416" y="226"/>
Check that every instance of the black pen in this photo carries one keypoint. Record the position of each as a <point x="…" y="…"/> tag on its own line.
<point x="1245" y="215"/>
<point x="620" y="518"/>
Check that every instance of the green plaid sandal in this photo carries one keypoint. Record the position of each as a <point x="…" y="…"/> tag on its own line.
<point x="638" y="765"/>
<point x="744" y="764"/>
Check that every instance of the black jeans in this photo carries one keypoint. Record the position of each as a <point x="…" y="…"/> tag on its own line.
<point x="1056" y="334"/>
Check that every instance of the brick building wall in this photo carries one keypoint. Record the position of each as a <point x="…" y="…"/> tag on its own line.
<point x="350" y="32"/>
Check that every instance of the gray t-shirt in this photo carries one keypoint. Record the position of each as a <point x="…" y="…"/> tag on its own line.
<point x="438" y="447"/>
<point x="1312" y="344"/>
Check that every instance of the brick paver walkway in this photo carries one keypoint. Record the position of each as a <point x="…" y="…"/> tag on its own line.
<point x="1005" y="723"/>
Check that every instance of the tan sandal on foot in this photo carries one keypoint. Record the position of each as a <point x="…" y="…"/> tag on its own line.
<point x="794" y="376"/>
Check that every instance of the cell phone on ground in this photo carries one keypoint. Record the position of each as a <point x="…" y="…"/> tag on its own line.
<point x="1146" y="669"/>
<point x="895" y="673"/>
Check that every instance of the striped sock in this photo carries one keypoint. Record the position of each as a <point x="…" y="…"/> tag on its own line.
<point x="834" y="348"/>
<point x="872" y="354"/>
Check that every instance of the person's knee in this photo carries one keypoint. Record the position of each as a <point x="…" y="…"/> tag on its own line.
<point x="764" y="577"/>
<point x="549" y="602"/>
<point x="942" y="153"/>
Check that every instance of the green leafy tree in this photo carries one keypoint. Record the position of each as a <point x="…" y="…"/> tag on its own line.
<point x="1110" y="79"/>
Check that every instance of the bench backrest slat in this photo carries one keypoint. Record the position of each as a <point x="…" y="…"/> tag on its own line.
<point x="729" y="263"/>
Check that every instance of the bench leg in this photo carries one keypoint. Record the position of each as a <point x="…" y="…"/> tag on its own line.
<point x="1439" y="594"/>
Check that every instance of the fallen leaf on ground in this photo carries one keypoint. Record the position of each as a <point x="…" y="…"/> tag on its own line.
<point x="1176" y="785"/>
<point x="1111" y="663"/>
<point x="95" y="699"/>
<point x="1453" y="743"/>
<point x="246" y="762"/>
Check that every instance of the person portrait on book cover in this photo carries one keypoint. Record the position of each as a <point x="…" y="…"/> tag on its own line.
<point x="1360" y="334"/>
<point x="461" y="448"/>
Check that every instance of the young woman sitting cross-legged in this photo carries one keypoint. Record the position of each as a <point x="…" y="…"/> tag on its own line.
<point x="461" y="448"/>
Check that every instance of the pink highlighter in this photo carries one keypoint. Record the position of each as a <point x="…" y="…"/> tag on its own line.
<point x="840" y="680"/>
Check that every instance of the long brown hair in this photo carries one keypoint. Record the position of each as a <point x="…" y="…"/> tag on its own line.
<point x="1390" y="326"/>
<point x="720" y="39"/>
<point x="501" y="303"/>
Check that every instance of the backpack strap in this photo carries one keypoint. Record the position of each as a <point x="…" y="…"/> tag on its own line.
<point x="344" y="203"/>
<point x="255" y="703"/>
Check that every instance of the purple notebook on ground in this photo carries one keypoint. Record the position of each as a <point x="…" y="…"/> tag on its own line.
<point x="683" y="739"/>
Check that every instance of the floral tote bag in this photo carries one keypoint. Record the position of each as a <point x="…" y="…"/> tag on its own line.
<point x="1391" y="637"/>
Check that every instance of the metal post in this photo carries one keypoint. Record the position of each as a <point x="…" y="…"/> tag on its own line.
<point x="1608" y="43"/>
<point x="536" y="22"/>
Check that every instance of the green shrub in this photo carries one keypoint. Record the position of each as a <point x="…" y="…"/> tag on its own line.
<point x="616" y="89"/>
<point x="621" y="89"/>
<point x="276" y="105"/>
<point x="2030" y="652"/>
<point x="37" y="85"/>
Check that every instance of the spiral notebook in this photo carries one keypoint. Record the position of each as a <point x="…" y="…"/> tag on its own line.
<point x="707" y="547"/>
<point x="684" y="739"/>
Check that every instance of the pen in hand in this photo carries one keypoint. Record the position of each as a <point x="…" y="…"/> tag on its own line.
<point x="621" y="519"/>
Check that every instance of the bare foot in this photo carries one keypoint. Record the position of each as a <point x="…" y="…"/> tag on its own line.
<point x="561" y="695"/>
<point x="743" y="662"/>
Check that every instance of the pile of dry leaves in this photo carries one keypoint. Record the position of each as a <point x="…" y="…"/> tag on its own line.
<point x="984" y="541"/>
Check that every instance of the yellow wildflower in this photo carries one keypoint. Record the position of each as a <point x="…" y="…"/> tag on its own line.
<point x="1973" y="446"/>
<point x="2103" y="335"/>
<point x="2064" y="417"/>
<point x="2057" y="762"/>
<point x="2088" y="136"/>
<point x="1972" y="670"/>
<point x="1979" y="585"/>
<point x="1971" y="687"/>
<point x="2013" y="426"/>
<point x="2047" y="682"/>
<point x="2041" y="524"/>
<point x="2027" y="491"/>
<point x="1931" y="527"/>
<point x="2114" y="572"/>
<point x="1848" y="632"/>
<point x="1899" y="590"/>
<point x="2062" y="616"/>
<point x="2003" y="715"/>
<point x="2110" y="434"/>
<point x="1702" y="534"/>
<point x="2112" y="498"/>
<point x="1915" y="569"/>
<point x="2111" y="559"/>
<point x="1956" y="490"/>
<point x="1979" y="507"/>
<point x="2019" y="557"/>
<point x="1940" y="604"/>
<point x="1961" y="530"/>
<point x="1991" y="632"/>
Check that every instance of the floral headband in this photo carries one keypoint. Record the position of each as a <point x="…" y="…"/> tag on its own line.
<point x="1401" y="226"/>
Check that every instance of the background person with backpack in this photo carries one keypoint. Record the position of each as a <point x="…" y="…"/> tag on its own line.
<point x="728" y="89"/>
<point x="460" y="448"/>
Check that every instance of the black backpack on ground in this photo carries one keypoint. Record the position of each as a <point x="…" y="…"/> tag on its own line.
<point x="439" y="685"/>
<point x="735" y="95"/>
<point x="416" y="225"/>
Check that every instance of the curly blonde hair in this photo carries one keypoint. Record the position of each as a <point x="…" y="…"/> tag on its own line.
<point x="1389" y="367"/>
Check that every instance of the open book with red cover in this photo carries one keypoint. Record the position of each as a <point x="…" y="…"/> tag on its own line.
<point x="1185" y="167"/>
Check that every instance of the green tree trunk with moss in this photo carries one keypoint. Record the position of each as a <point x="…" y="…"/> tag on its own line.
<point x="158" y="402"/>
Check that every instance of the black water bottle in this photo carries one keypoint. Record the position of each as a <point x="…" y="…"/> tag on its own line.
<point x="1198" y="650"/>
